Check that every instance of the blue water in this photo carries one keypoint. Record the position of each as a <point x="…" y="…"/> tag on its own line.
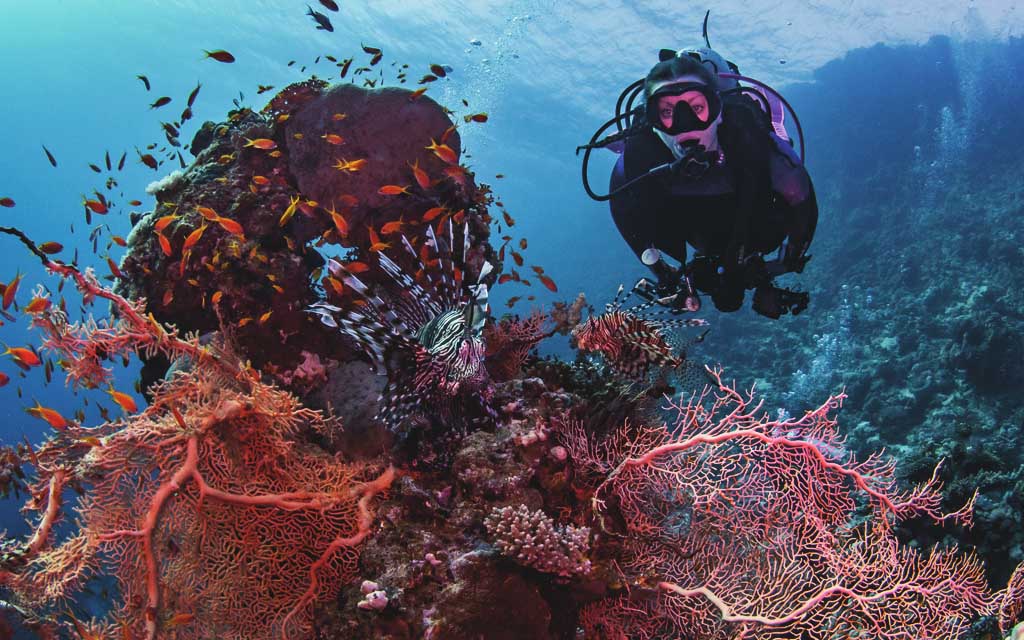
<point x="879" y="114"/>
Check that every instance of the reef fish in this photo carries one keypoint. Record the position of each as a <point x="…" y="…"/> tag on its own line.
<point x="632" y="342"/>
<point x="424" y="332"/>
<point x="322" y="21"/>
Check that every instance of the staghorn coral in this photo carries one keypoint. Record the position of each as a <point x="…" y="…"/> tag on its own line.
<point x="532" y="539"/>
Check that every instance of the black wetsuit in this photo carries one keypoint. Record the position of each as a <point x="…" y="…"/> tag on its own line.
<point x="760" y="175"/>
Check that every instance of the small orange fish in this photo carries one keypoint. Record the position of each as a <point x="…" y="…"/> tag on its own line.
<point x="339" y="116"/>
<point x="266" y="316"/>
<point x="511" y="301"/>
<point x="460" y="216"/>
<point x="518" y="258"/>
<point x="261" y="180"/>
<point x="508" y="219"/>
<point x="220" y="55"/>
<point x="51" y="248"/>
<point x="392" y="227"/>
<point x="336" y="285"/>
<point x="119" y="241"/>
<point x="547" y="282"/>
<point x="135" y="203"/>
<point x="298" y="136"/>
<point x="123" y="400"/>
<point x="95" y="205"/>
<point x="165" y="245"/>
<point x="114" y="269"/>
<point x="433" y="213"/>
<point x="522" y="244"/>
<point x="208" y="213"/>
<point x="276" y="153"/>
<point x="6" y="202"/>
<point x="23" y="357"/>
<point x="178" y="620"/>
<point x="333" y="138"/>
<point x="421" y="176"/>
<point x="51" y="416"/>
<point x="349" y="165"/>
<point x="374" y="238"/>
<point x="261" y="143"/>
<point x="476" y="117"/>
<point x="37" y="305"/>
<point x="416" y="94"/>
<point x="231" y="226"/>
<point x="244" y="321"/>
<point x="380" y="246"/>
<point x="217" y="295"/>
<point x="443" y="151"/>
<point x="456" y="173"/>
<point x="339" y="221"/>
<point x="4" y="379"/>
<point x="162" y="223"/>
<point x="448" y="133"/>
<point x="193" y="238"/>
<point x="357" y="267"/>
<point x="392" y="190"/>
<point x="503" y="278"/>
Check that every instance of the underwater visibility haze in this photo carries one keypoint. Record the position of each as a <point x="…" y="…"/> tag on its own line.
<point x="311" y="327"/>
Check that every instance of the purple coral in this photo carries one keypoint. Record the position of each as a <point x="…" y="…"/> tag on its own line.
<point x="533" y="540"/>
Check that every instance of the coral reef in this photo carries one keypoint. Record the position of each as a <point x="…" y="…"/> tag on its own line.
<point x="271" y="489"/>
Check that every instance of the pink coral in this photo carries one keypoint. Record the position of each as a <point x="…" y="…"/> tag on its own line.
<point x="740" y="526"/>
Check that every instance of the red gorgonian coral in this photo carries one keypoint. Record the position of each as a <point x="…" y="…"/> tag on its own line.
<point x="734" y="525"/>
<point x="213" y="518"/>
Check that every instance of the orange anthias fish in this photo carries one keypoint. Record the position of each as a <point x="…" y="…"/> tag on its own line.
<point x="339" y="221"/>
<point x="547" y="282"/>
<point x="51" y="416"/>
<point x="261" y="143"/>
<point x="231" y="226"/>
<point x="10" y="290"/>
<point x="193" y="238"/>
<point x="23" y="357"/>
<point x="6" y="202"/>
<point x="220" y="55"/>
<point x="421" y="176"/>
<point x="443" y="151"/>
<point x="392" y="227"/>
<point x="95" y="205"/>
<point x="37" y="305"/>
<point x="208" y="213"/>
<point x="165" y="245"/>
<point x="349" y="165"/>
<point x="123" y="400"/>
<point x="433" y="213"/>
<point x="392" y="190"/>
<point x="333" y="138"/>
<point x="476" y="117"/>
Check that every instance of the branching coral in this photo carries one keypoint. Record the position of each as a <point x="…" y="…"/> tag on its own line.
<point x="743" y="526"/>
<point x="533" y="540"/>
<point x="205" y="508"/>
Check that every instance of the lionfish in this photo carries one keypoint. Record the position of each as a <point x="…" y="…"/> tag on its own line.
<point x="633" y="342"/>
<point x="426" y="338"/>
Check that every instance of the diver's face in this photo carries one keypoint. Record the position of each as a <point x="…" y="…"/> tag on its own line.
<point x="699" y="103"/>
<point x="666" y="105"/>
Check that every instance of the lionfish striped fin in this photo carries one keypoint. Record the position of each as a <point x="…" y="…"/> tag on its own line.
<point x="614" y="304"/>
<point x="383" y="309"/>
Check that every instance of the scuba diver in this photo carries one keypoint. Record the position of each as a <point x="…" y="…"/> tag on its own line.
<point x="708" y="163"/>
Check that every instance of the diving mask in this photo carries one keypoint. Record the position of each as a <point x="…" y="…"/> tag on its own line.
<point x="683" y="117"/>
